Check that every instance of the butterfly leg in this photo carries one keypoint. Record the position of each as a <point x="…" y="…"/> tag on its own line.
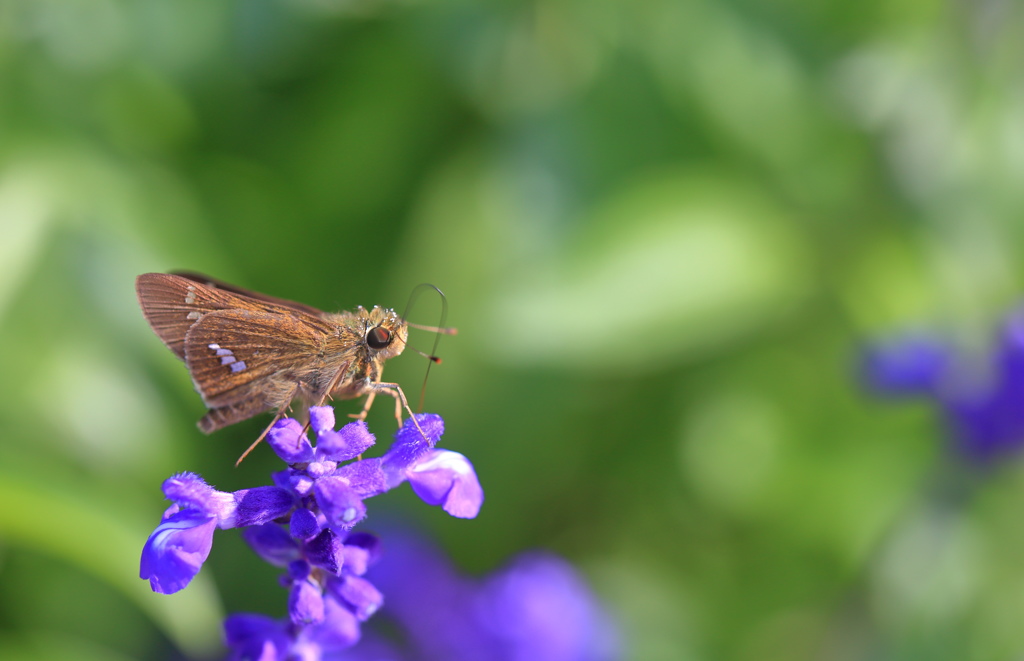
<point x="366" y="407"/>
<point x="281" y="410"/>
<point x="401" y="402"/>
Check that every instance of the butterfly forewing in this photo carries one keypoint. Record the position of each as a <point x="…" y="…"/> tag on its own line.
<point x="229" y="351"/>
<point x="213" y="283"/>
<point x="172" y="305"/>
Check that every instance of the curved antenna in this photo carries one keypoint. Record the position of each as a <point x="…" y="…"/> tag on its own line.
<point x="439" y="329"/>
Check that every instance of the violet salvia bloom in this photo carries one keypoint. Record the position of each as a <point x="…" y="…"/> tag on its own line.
<point x="912" y="364"/>
<point x="446" y="478"/>
<point x="983" y="404"/>
<point x="181" y="543"/>
<point x="538" y="608"/>
<point x="303" y="524"/>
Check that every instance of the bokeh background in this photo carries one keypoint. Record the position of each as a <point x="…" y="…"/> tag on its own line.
<point x="666" y="230"/>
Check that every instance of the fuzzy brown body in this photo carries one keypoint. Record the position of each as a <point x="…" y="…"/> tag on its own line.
<point x="248" y="353"/>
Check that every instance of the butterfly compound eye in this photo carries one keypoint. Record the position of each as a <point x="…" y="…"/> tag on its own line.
<point x="378" y="337"/>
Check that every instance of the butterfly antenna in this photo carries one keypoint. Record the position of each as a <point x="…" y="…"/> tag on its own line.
<point x="440" y="330"/>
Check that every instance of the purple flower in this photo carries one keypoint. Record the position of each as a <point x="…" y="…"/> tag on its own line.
<point x="442" y="477"/>
<point x="250" y="636"/>
<point x="983" y="404"/>
<point x="304" y="524"/>
<point x="538" y="608"/>
<point x="908" y="365"/>
<point x="176" y="550"/>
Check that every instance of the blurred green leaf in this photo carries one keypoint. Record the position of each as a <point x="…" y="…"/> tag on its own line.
<point x="83" y="534"/>
<point x="674" y="264"/>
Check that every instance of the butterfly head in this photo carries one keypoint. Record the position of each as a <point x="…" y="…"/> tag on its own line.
<point x="385" y="333"/>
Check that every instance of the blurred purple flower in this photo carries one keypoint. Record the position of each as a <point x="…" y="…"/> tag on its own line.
<point x="983" y="404"/>
<point x="304" y="524"/>
<point x="906" y="365"/>
<point x="538" y="608"/>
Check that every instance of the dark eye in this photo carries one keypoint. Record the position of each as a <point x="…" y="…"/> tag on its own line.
<point x="378" y="337"/>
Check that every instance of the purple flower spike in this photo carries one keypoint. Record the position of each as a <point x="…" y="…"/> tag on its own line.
<point x="176" y="550"/>
<point x="539" y="608"/>
<point x="446" y="478"/>
<point x="303" y="523"/>
<point x="289" y="443"/>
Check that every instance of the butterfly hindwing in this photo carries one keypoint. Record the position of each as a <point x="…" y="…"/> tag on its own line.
<point x="234" y="355"/>
<point x="173" y="304"/>
<point x="219" y="418"/>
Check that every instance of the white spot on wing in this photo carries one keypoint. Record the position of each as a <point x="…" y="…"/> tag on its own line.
<point x="193" y="315"/>
<point x="227" y="358"/>
<point x="190" y="297"/>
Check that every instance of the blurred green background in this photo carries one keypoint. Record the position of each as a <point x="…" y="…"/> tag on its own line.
<point x="664" y="229"/>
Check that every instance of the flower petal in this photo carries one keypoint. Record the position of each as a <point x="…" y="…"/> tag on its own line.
<point x="347" y="443"/>
<point x="321" y="418"/>
<point x="338" y="631"/>
<point x="365" y="477"/>
<point x="272" y="543"/>
<point x="305" y="604"/>
<point x="543" y="609"/>
<point x="303" y="524"/>
<point x="176" y="550"/>
<point x="361" y="550"/>
<point x="288" y="441"/>
<point x="326" y="551"/>
<point x="190" y="491"/>
<point x="443" y="477"/>
<point x="339" y="502"/>
<point x="258" y="505"/>
<point x="410" y="445"/>
<point x="360" y="594"/>
<point x="256" y="637"/>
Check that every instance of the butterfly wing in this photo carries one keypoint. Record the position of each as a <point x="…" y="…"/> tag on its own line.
<point x="173" y="303"/>
<point x="255" y="295"/>
<point x="246" y="352"/>
<point x="234" y="355"/>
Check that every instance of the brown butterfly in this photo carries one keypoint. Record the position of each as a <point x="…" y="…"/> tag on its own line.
<point x="248" y="352"/>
